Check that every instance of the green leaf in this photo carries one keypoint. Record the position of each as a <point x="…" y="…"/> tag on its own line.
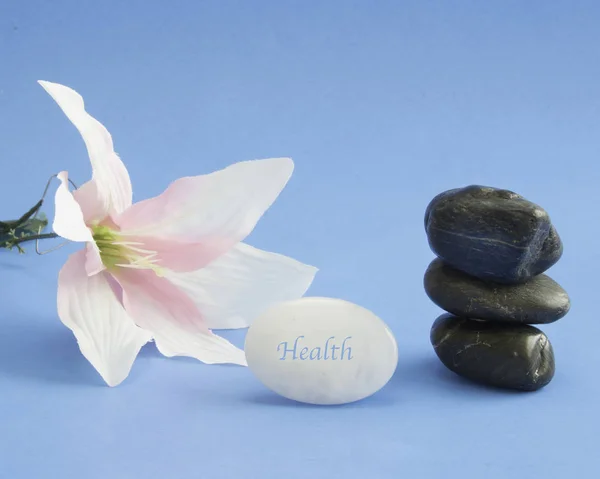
<point x="33" y="226"/>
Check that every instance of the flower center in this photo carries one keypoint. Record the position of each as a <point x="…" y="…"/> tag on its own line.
<point x="116" y="251"/>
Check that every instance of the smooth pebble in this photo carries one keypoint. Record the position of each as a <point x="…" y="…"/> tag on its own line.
<point x="538" y="301"/>
<point x="321" y="351"/>
<point x="502" y="355"/>
<point x="492" y="234"/>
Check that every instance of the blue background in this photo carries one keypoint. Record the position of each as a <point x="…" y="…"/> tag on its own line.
<point x="382" y="105"/>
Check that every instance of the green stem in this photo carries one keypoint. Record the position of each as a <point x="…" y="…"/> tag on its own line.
<point x="42" y="236"/>
<point x="27" y="228"/>
<point x="23" y="222"/>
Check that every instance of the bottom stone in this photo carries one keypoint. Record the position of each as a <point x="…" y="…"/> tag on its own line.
<point x="497" y="354"/>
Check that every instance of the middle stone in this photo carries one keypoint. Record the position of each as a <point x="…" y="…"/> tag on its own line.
<point x="539" y="300"/>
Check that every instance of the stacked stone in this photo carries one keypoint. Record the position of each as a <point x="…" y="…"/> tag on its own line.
<point x="492" y="247"/>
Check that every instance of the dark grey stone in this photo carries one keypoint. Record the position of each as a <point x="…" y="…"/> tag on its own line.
<point x="492" y="234"/>
<point x="496" y="354"/>
<point x="540" y="300"/>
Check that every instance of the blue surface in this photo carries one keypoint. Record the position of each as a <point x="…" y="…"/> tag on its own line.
<point x="382" y="104"/>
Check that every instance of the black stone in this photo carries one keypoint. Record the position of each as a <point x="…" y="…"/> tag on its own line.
<point x="501" y="355"/>
<point x="540" y="300"/>
<point x="491" y="233"/>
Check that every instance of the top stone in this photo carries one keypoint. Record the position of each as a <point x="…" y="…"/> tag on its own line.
<point x="492" y="234"/>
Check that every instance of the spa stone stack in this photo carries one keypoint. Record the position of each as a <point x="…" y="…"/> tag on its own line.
<point x="492" y="247"/>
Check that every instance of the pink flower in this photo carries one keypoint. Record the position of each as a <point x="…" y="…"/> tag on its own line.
<point x="170" y="268"/>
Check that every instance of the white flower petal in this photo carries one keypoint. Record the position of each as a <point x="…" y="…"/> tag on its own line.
<point x="94" y="210"/>
<point x="208" y="348"/>
<point x="177" y="326"/>
<point x="107" y="336"/>
<point x="235" y="288"/>
<point x="93" y="260"/>
<point x="68" y="218"/>
<point x="112" y="183"/>
<point x="219" y="209"/>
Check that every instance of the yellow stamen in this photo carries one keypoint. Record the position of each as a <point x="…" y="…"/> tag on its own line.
<point x="115" y="252"/>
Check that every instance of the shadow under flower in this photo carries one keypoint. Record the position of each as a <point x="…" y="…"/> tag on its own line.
<point x="42" y="349"/>
<point x="9" y="264"/>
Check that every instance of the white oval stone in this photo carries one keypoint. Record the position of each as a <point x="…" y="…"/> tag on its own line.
<point x="321" y="351"/>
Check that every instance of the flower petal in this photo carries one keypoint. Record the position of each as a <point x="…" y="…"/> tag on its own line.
<point x="93" y="261"/>
<point x="176" y="255"/>
<point x="215" y="211"/>
<point x="238" y="286"/>
<point x="68" y="218"/>
<point x="107" y="336"/>
<point x="112" y="184"/>
<point x="87" y="196"/>
<point x="171" y="316"/>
